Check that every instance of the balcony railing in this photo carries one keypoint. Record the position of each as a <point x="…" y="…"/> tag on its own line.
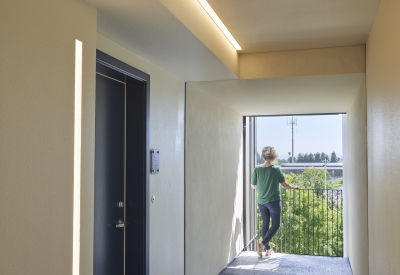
<point x="312" y="223"/>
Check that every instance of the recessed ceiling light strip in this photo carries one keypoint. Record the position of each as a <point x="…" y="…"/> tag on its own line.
<point x="219" y="23"/>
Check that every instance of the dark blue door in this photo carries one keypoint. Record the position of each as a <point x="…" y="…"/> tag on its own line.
<point x="109" y="177"/>
<point x="121" y="188"/>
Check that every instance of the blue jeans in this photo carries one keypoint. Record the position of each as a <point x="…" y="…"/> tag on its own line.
<point x="273" y="211"/>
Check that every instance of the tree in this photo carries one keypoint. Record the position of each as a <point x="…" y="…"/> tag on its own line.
<point x="334" y="157"/>
<point x="310" y="157"/>
<point x="280" y="161"/>
<point x="311" y="224"/>
<point x="290" y="159"/>
<point x="260" y="160"/>
<point x="300" y="157"/>
<point x="317" y="157"/>
<point x="338" y="184"/>
<point x="312" y="178"/>
<point x="324" y="157"/>
<point x="312" y="220"/>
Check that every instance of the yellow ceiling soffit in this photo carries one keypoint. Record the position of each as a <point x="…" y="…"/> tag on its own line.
<point x="309" y="62"/>
<point x="191" y="14"/>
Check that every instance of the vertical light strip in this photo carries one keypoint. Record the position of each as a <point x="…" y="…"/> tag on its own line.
<point x="77" y="158"/>
<point x="219" y="23"/>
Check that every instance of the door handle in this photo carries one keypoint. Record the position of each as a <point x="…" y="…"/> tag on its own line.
<point x="120" y="223"/>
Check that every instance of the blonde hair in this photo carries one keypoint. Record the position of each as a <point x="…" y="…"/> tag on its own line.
<point x="269" y="153"/>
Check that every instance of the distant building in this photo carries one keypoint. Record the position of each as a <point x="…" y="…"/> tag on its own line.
<point x="333" y="168"/>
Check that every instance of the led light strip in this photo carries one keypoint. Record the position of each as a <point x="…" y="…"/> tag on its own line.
<point x="77" y="158"/>
<point x="219" y="23"/>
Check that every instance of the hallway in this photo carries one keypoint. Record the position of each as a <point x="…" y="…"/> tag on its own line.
<point x="248" y="263"/>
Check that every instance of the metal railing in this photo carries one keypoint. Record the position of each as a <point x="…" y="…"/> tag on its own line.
<point x="312" y="223"/>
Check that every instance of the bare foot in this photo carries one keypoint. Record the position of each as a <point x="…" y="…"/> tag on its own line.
<point x="269" y="252"/>
<point x="260" y="247"/>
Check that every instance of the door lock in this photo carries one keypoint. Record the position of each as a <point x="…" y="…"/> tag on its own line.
<point x="121" y="204"/>
<point x="120" y="223"/>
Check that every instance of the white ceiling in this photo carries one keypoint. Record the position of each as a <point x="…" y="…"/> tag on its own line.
<point x="279" y="25"/>
<point x="147" y="28"/>
<point x="285" y="96"/>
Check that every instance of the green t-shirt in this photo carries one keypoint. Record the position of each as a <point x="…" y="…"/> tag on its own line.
<point x="268" y="181"/>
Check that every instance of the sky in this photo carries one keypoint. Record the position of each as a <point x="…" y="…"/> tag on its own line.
<point x="312" y="134"/>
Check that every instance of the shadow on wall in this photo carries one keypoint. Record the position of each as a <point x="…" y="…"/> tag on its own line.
<point x="236" y="240"/>
<point x="213" y="184"/>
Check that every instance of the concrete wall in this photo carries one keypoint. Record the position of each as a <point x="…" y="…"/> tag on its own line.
<point x="356" y="184"/>
<point x="37" y="78"/>
<point x="383" y="101"/>
<point x="213" y="181"/>
<point x="167" y="112"/>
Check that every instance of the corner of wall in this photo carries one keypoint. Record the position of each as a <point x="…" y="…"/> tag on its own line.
<point x="356" y="184"/>
<point x="214" y="184"/>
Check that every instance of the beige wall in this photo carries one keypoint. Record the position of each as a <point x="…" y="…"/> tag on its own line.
<point x="356" y="184"/>
<point x="36" y="138"/>
<point x="167" y="111"/>
<point x="37" y="71"/>
<point x="383" y="111"/>
<point x="213" y="178"/>
<point x="311" y="62"/>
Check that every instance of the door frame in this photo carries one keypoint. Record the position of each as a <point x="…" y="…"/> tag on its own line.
<point x="115" y="64"/>
<point x="249" y="195"/>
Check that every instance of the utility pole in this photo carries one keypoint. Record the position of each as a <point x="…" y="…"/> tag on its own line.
<point x="293" y="122"/>
<point x="325" y="161"/>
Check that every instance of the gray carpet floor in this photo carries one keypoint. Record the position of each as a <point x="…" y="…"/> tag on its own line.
<point x="249" y="263"/>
